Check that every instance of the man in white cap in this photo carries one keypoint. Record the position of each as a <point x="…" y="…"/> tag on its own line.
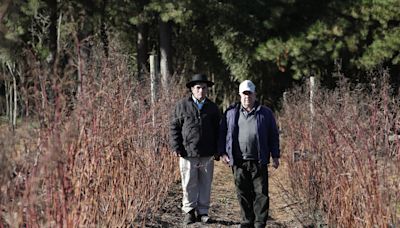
<point x="248" y="138"/>
<point x="194" y="139"/>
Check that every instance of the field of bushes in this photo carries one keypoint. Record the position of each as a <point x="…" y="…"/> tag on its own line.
<point x="343" y="150"/>
<point x="99" y="154"/>
<point x="98" y="159"/>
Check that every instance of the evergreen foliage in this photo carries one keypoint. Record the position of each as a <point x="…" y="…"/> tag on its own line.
<point x="271" y="42"/>
<point x="364" y="34"/>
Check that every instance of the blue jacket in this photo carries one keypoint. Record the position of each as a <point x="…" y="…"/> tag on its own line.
<point x="268" y="136"/>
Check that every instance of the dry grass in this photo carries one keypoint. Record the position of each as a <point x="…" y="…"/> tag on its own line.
<point x="345" y="167"/>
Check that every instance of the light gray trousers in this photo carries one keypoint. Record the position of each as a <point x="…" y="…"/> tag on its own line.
<point x="197" y="175"/>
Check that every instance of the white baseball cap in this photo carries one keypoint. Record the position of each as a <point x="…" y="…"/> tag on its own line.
<point x="247" y="85"/>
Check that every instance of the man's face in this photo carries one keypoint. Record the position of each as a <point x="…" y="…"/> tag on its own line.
<point x="199" y="90"/>
<point x="247" y="99"/>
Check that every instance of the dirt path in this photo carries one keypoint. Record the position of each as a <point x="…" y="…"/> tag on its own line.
<point x="224" y="210"/>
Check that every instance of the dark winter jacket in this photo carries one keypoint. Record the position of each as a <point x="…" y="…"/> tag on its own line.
<point x="268" y="136"/>
<point x="194" y="132"/>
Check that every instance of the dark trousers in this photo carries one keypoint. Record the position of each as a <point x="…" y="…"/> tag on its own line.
<point x="251" y="181"/>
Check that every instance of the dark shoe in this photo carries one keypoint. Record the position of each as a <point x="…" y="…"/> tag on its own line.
<point x="189" y="218"/>
<point x="204" y="218"/>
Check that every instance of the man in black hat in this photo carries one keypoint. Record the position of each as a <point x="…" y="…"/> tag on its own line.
<point x="194" y="136"/>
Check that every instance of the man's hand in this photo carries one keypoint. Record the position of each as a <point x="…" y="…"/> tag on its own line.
<point x="177" y="154"/>
<point x="225" y="159"/>
<point x="275" y="163"/>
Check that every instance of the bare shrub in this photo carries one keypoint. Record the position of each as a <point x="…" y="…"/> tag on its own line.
<point x="346" y="166"/>
<point x="97" y="158"/>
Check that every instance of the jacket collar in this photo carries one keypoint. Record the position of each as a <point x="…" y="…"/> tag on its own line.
<point x="190" y="99"/>
<point x="257" y="105"/>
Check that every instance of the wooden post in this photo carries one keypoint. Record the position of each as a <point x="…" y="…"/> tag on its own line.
<point x="213" y="94"/>
<point x="284" y="97"/>
<point x="10" y="103"/>
<point x="154" y="80"/>
<point x="285" y="110"/>
<point x="153" y="83"/>
<point x="14" y="121"/>
<point x="6" y="84"/>
<point x="13" y="96"/>
<point x="312" y="90"/>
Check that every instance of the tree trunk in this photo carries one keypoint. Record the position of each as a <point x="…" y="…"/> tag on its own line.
<point x="52" y="4"/>
<point x="143" y="30"/>
<point x="3" y="9"/>
<point x="165" y="52"/>
<point x="142" y="41"/>
<point x="103" y="31"/>
<point x="4" y="43"/>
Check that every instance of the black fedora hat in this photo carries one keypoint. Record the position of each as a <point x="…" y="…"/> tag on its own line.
<point x="199" y="78"/>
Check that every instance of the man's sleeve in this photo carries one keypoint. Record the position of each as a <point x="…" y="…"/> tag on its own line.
<point x="176" y="123"/>
<point x="216" y="121"/>
<point x="222" y="135"/>
<point x="273" y="139"/>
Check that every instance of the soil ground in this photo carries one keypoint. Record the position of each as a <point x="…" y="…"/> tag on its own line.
<point x="225" y="211"/>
